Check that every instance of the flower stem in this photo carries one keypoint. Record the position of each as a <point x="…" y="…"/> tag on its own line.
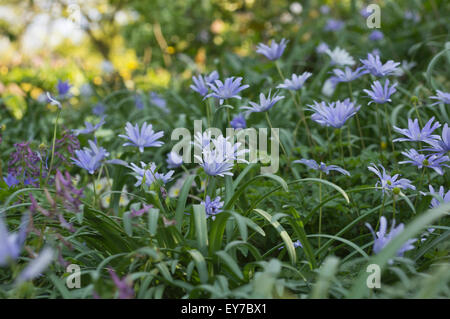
<point x="340" y="146"/>
<point x="279" y="139"/>
<point x="356" y="117"/>
<point x="389" y="127"/>
<point x="320" y="209"/>
<point x="53" y="145"/>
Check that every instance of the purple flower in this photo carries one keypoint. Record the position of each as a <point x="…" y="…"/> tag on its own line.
<point x="159" y="101"/>
<point x="376" y="35"/>
<point x="420" y="160"/>
<point x="380" y="94"/>
<point x="99" y="109"/>
<point x="124" y="285"/>
<point x="348" y="75"/>
<point x="274" y="51"/>
<point x="63" y="87"/>
<point x="376" y="68"/>
<point x="147" y="174"/>
<point x="238" y="122"/>
<point x="11" y="244"/>
<point x="212" y="77"/>
<point x="265" y="104"/>
<point x="227" y="90"/>
<point x="334" y="25"/>
<point x="146" y="137"/>
<point x="335" y="114"/>
<point x="90" y="158"/>
<point x="11" y="180"/>
<point x="322" y="167"/>
<point x="414" y="134"/>
<point x="212" y="207"/>
<point x="440" y="145"/>
<point x="441" y="97"/>
<point x="199" y="85"/>
<point x="296" y="82"/>
<point x="37" y="265"/>
<point x="174" y="160"/>
<point x="365" y="12"/>
<point x="70" y="195"/>
<point x="89" y="127"/>
<point x="388" y="182"/>
<point x="322" y="48"/>
<point x="382" y="237"/>
<point x="443" y="198"/>
<point x="141" y="211"/>
<point x="296" y="244"/>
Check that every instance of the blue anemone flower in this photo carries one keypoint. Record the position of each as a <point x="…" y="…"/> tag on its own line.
<point x="441" y="97"/>
<point x="443" y="198"/>
<point x="90" y="158"/>
<point x="265" y="104"/>
<point x="380" y="94"/>
<point x="441" y="144"/>
<point x="226" y="90"/>
<point x="434" y="161"/>
<point x="414" y="134"/>
<point x="348" y="75"/>
<point x="238" y="122"/>
<point x="376" y="68"/>
<point x="89" y="127"/>
<point x="335" y="114"/>
<point x="11" y="244"/>
<point x="212" y="207"/>
<point x="147" y="174"/>
<point x="322" y="167"/>
<point x="63" y="88"/>
<point x="388" y="182"/>
<point x="295" y="83"/>
<point x="274" y="51"/>
<point x="146" y="137"/>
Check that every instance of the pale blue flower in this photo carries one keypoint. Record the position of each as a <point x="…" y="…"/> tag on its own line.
<point x="414" y="134"/>
<point x="227" y="90"/>
<point x="89" y="127"/>
<point x="146" y="137"/>
<point x="11" y="244"/>
<point x="348" y="75"/>
<point x="322" y="167"/>
<point x="443" y="198"/>
<point x="335" y="114"/>
<point x="376" y="35"/>
<point x="265" y="104"/>
<point x="159" y="101"/>
<point x="212" y="207"/>
<point x="99" y="109"/>
<point x="441" y="97"/>
<point x="376" y="68"/>
<point x="380" y="94"/>
<point x="322" y="48"/>
<point x="433" y="161"/>
<point x="63" y="87"/>
<point x="147" y="174"/>
<point x="174" y="160"/>
<point x="90" y="158"/>
<point x="37" y="265"/>
<point x="274" y="51"/>
<point x="199" y="85"/>
<point x="340" y="57"/>
<point x="382" y="237"/>
<point x="440" y="144"/>
<point x="295" y="83"/>
<point x="388" y="182"/>
<point x="11" y="180"/>
<point x="238" y="122"/>
<point x="212" y="77"/>
<point x="334" y="25"/>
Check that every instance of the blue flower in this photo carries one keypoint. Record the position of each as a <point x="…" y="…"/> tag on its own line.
<point x="440" y="145"/>
<point x="227" y="90"/>
<point x="322" y="48"/>
<point x="174" y="160"/>
<point x="296" y="82"/>
<point x="414" y="134"/>
<point x="265" y="104"/>
<point x="376" y="35"/>
<point x="348" y="75"/>
<point x="199" y="85"/>
<point x="238" y="122"/>
<point x="296" y="244"/>
<point x="433" y="161"/>
<point x="212" y="207"/>
<point x="212" y="77"/>
<point x="37" y="265"/>
<point x="388" y="182"/>
<point x="11" y="180"/>
<point x="334" y="25"/>
<point x="273" y="52"/>
<point x="89" y="127"/>
<point x="147" y="174"/>
<point x="63" y="87"/>
<point x="90" y="158"/>
<point x="11" y="244"/>
<point x="139" y="102"/>
<point x="376" y="68"/>
<point x="443" y="198"/>
<point x="382" y="237"/>
<point x="322" y="167"/>
<point x="99" y="109"/>
<point x="441" y="97"/>
<point x="335" y="114"/>
<point x="364" y="12"/>
<point x="146" y="137"/>
<point x="380" y="94"/>
<point x="159" y="101"/>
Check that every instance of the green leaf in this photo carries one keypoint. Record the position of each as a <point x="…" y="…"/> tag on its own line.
<point x="181" y="203"/>
<point x="200" y="227"/>
<point x="230" y="263"/>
